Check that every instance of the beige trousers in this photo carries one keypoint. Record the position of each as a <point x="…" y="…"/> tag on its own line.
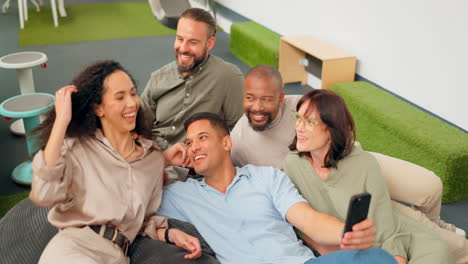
<point x="420" y="187"/>
<point x="81" y="245"/>
<point x="413" y="184"/>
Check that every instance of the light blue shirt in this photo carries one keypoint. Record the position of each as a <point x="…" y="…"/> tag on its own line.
<point x="248" y="223"/>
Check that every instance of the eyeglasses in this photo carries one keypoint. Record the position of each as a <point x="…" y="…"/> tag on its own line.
<point x="308" y="123"/>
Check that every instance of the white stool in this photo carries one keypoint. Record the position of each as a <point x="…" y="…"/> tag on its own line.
<point x="23" y="62"/>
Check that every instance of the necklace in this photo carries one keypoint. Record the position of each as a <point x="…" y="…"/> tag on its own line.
<point x="131" y="151"/>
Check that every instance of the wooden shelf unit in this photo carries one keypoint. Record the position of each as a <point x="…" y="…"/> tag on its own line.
<point x="337" y="65"/>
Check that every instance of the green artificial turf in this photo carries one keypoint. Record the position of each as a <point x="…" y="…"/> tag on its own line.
<point x="91" y="22"/>
<point x="254" y="44"/>
<point x="391" y="126"/>
<point x="7" y="202"/>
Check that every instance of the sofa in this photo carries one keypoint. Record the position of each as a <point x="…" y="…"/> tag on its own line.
<point x="25" y="233"/>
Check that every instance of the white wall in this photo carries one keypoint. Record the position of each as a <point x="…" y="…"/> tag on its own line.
<point x="417" y="49"/>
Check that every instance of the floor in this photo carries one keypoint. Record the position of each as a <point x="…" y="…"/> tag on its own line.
<point x="140" y="56"/>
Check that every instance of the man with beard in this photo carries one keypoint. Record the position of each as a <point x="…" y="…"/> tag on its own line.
<point x="262" y="135"/>
<point x="247" y="214"/>
<point x="195" y="82"/>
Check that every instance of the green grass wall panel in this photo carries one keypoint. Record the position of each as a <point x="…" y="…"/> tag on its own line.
<point x="254" y="44"/>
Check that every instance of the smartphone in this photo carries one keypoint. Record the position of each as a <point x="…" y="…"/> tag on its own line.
<point x="357" y="210"/>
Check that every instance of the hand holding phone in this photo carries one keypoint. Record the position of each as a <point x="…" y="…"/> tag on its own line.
<point x="357" y="210"/>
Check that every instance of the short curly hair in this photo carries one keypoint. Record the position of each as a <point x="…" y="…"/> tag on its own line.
<point x="90" y="86"/>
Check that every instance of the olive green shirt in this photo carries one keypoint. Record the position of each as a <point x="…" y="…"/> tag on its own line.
<point x="358" y="172"/>
<point x="169" y="98"/>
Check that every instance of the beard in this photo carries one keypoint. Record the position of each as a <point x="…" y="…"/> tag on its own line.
<point x="196" y="61"/>
<point x="262" y="127"/>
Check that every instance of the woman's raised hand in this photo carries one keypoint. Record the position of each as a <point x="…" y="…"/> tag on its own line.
<point x="63" y="115"/>
<point x="63" y="105"/>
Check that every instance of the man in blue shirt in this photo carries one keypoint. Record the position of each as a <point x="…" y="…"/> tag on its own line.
<point x="247" y="214"/>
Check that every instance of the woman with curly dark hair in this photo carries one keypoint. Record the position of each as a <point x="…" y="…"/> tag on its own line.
<point x="101" y="172"/>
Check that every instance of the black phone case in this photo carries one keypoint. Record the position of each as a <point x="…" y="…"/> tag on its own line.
<point x="357" y="210"/>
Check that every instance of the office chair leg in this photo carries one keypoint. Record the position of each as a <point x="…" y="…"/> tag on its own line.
<point x="37" y="5"/>
<point x="5" y="6"/>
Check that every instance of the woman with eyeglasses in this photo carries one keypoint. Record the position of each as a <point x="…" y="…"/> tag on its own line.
<point x="328" y="169"/>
